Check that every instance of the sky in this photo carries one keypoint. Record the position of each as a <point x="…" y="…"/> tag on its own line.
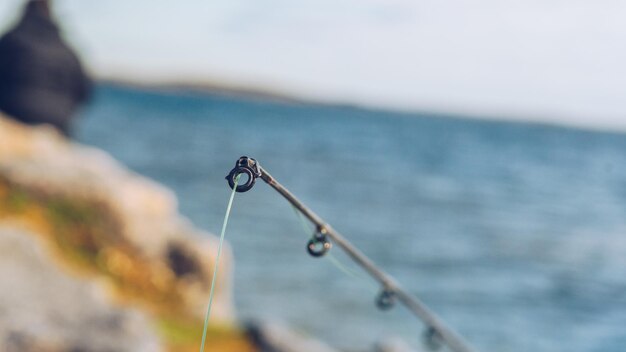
<point x="556" y="61"/>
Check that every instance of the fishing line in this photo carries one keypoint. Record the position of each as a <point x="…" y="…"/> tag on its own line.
<point x="217" y="261"/>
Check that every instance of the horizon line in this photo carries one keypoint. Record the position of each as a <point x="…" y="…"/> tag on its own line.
<point x="253" y="91"/>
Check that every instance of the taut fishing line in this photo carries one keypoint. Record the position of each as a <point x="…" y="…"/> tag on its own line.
<point x="217" y="262"/>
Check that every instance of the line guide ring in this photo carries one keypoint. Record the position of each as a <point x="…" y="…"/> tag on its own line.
<point x="246" y="166"/>
<point x="319" y="244"/>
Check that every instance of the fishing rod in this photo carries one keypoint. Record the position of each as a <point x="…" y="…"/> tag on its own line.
<point x="437" y="331"/>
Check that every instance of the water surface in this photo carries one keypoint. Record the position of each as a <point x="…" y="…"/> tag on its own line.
<point x="513" y="233"/>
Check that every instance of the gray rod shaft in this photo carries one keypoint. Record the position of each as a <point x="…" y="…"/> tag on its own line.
<point x="417" y="307"/>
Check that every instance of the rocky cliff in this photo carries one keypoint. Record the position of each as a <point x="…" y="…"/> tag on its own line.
<point x="95" y="257"/>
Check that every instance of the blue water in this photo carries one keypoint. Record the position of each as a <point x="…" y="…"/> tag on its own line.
<point x="515" y="234"/>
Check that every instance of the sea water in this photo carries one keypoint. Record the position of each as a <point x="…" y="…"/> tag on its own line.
<point x="514" y="233"/>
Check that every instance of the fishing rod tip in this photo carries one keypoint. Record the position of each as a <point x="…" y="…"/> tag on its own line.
<point x="248" y="167"/>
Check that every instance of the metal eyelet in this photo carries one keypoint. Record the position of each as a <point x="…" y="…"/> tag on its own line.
<point x="432" y="339"/>
<point x="315" y="250"/>
<point x="246" y="166"/>
<point x="319" y="244"/>
<point x="386" y="299"/>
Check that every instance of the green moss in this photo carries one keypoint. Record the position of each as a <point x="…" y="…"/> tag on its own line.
<point x="186" y="332"/>
<point x="74" y="224"/>
<point x="17" y="200"/>
<point x="65" y="213"/>
<point x="177" y="331"/>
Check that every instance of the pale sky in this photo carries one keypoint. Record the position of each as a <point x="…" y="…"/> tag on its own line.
<point x="558" y="61"/>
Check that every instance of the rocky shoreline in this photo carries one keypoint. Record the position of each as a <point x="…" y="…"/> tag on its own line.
<point x="105" y="227"/>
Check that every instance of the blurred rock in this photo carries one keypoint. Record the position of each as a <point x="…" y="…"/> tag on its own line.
<point x="106" y="224"/>
<point x="394" y="344"/>
<point x="44" y="309"/>
<point x="276" y="337"/>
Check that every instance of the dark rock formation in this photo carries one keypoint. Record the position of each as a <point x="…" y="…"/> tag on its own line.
<point x="41" y="79"/>
<point x="276" y="337"/>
